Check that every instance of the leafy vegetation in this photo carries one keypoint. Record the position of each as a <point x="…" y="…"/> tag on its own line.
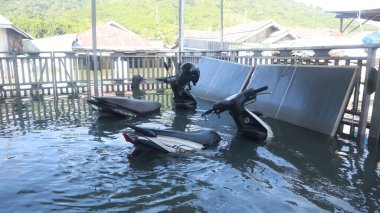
<point x="157" y="19"/>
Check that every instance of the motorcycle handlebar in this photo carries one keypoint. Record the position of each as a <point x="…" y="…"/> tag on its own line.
<point x="245" y="96"/>
<point x="261" y="89"/>
<point x="207" y="112"/>
<point x="218" y="107"/>
<point x="249" y="94"/>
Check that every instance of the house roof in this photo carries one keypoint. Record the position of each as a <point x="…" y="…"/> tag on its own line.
<point x="278" y="35"/>
<point x="61" y="43"/>
<point x="242" y="32"/>
<point x="207" y="35"/>
<point x="237" y="33"/>
<point x="6" y="24"/>
<point x="320" y="37"/>
<point x="113" y="36"/>
<point x="371" y="14"/>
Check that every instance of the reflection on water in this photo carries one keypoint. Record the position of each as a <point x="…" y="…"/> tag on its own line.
<point x="59" y="154"/>
<point x="182" y="119"/>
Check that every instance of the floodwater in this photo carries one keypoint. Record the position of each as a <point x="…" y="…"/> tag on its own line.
<point x="57" y="154"/>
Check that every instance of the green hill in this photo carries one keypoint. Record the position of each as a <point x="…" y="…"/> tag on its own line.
<point x="157" y="19"/>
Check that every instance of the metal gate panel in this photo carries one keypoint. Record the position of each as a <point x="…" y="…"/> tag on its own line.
<point x="220" y="79"/>
<point x="313" y="97"/>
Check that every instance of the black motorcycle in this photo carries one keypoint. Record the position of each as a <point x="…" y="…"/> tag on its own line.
<point x="123" y="106"/>
<point x="145" y="139"/>
<point x="180" y="85"/>
<point x="249" y="123"/>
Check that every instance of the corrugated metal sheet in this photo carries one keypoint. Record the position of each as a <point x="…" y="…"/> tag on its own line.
<point x="251" y="34"/>
<point x="256" y="32"/>
<point x="242" y="32"/>
<point x="220" y="79"/>
<point x="312" y="97"/>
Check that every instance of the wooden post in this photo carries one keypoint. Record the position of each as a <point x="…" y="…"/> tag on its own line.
<point x="374" y="132"/>
<point x="15" y="70"/>
<point x="180" y="26"/>
<point x="366" y="97"/>
<point x="221" y="25"/>
<point x="94" y="53"/>
<point x="54" y="73"/>
<point x="180" y="31"/>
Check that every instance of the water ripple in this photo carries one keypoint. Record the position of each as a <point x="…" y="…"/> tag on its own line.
<point x="68" y="159"/>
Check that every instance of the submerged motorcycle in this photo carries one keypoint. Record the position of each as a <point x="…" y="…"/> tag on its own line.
<point x="127" y="107"/>
<point x="166" y="141"/>
<point x="180" y="85"/>
<point x="249" y="123"/>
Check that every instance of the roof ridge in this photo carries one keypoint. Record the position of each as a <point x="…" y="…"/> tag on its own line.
<point x="4" y="20"/>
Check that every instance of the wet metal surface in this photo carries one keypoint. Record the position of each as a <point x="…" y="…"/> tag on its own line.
<point x="313" y="97"/>
<point x="57" y="154"/>
<point x="220" y="79"/>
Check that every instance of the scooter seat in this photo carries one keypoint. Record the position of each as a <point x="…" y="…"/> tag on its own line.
<point x="134" y="105"/>
<point x="204" y="137"/>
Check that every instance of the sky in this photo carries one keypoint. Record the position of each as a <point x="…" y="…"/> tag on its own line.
<point x="343" y="4"/>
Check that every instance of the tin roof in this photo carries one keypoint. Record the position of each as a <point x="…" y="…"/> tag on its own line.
<point x="113" y="36"/>
<point x="199" y="34"/>
<point x="61" y="43"/>
<point x="6" y="24"/>
<point x="242" y="32"/>
<point x="371" y="14"/>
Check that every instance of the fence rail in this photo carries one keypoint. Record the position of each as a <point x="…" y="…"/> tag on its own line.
<point x="72" y="72"/>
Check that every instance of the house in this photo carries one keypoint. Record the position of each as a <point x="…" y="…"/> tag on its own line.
<point x="116" y="39"/>
<point x="243" y="35"/>
<point x="11" y="37"/>
<point x="257" y="32"/>
<point x="372" y="14"/>
<point x="59" y="43"/>
<point x="113" y="36"/>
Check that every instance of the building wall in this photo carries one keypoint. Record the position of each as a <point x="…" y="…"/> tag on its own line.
<point x="3" y="40"/>
<point x="14" y="41"/>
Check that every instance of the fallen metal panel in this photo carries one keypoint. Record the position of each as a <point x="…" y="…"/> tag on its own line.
<point x="277" y="79"/>
<point x="313" y="97"/>
<point x="209" y="68"/>
<point x="220" y="79"/>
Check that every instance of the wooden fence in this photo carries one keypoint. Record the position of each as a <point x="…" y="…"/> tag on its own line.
<point x="72" y="73"/>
